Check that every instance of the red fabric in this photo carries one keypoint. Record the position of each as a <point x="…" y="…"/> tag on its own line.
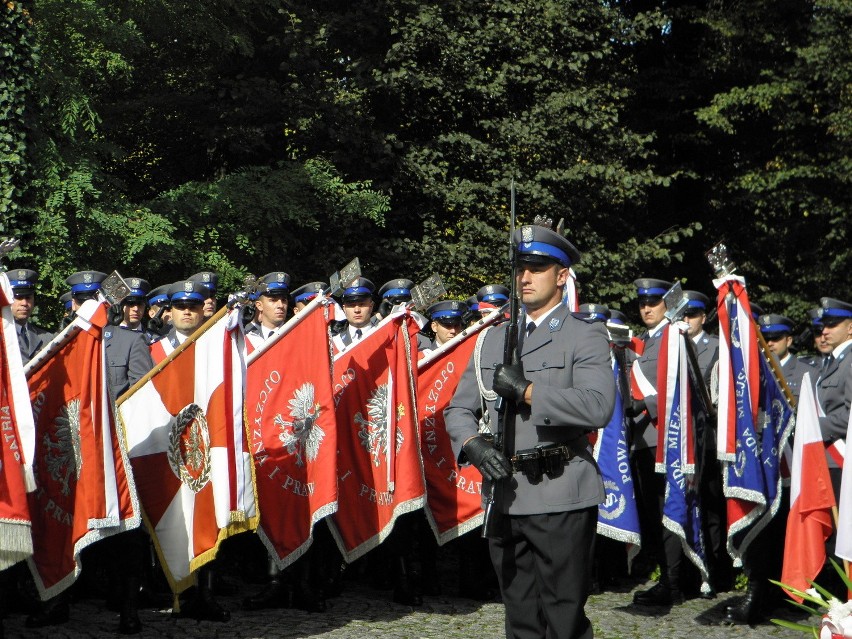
<point x="295" y="488"/>
<point x="453" y="494"/>
<point x="379" y="466"/>
<point x="71" y="405"/>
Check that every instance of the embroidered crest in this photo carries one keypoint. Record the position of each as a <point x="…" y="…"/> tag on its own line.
<point x="22" y="274"/>
<point x="205" y="277"/>
<point x="281" y="276"/>
<point x="615" y="502"/>
<point x="373" y="431"/>
<point x="63" y="455"/>
<point x="454" y="306"/>
<point x="135" y="282"/>
<point x="87" y="278"/>
<point x="189" y="447"/>
<point x="302" y="436"/>
<point x="527" y="234"/>
<point x="489" y="289"/>
<point x="187" y="287"/>
<point x="554" y="323"/>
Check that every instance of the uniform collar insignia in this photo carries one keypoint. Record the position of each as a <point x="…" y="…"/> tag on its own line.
<point x="554" y="323"/>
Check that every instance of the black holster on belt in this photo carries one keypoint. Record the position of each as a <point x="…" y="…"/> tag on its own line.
<point x="536" y="462"/>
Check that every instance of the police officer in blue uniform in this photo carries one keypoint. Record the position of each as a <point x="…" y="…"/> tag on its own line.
<point x="271" y="305"/>
<point x="31" y="338"/>
<point x="446" y="321"/>
<point x="210" y="280"/>
<point x="547" y="504"/>
<point x="357" y="303"/>
<point x="159" y="312"/>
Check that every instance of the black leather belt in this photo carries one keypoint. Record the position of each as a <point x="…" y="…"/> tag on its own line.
<point x="542" y="460"/>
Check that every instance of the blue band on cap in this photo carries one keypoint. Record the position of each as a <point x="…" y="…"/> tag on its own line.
<point x="616" y="320"/>
<point x="68" y="305"/>
<point x="493" y="297"/>
<point x="447" y="313"/>
<point x="596" y="316"/>
<point x="775" y="328"/>
<point x="304" y="297"/>
<point x="136" y="292"/>
<point x="158" y="299"/>
<point x="21" y="284"/>
<point x="696" y="304"/>
<point x="357" y="290"/>
<point x="396" y="292"/>
<point x="836" y="312"/>
<point x="86" y="288"/>
<point x="539" y="248"/>
<point x="474" y="307"/>
<point x="650" y="292"/>
<point x="190" y="297"/>
<point x="277" y="286"/>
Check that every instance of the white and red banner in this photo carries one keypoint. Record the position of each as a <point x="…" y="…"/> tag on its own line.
<point x="18" y="442"/>
<point x="739" y="366"/>
<point x="290" y="413"/>
<point x="84" y="490"/>
<point x="380" y="474"/>
<point x="453" y="494"/>
<point x="189" y="448"/>
<point x="811" y="498"/>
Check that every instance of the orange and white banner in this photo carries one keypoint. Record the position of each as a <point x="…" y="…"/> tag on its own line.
<point x="380" y="473"/>
<point x="811" y="498"/>
<point x="290" y="412"/>
<point x="188" y="444"/>
<point x="18" y="442"/>
<point x="84" y="490"/>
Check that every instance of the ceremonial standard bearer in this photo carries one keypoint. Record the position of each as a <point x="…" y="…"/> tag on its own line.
<point x="545" y="512"/>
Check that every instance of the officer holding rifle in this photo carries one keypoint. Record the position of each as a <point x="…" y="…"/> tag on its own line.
<point x="547" y="487"/>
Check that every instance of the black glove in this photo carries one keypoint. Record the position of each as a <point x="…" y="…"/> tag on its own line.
<point x="488" y="460"/>
<point x="385" y="308"/>
<point x="636" y="407"/>
<point x="115" y="314"/>
<point x="510" y="383"/>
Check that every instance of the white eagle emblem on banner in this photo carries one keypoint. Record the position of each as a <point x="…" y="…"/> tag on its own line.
<point x="302" y="436"/>
<point x="63" y="456"/>
<point x="373" y="431"/>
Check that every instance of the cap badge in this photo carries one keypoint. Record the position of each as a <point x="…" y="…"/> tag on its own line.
<point x="554" y="324"/>
<point x="527" y="234"/>
<point x="205" y="277"/>
<point x="187" y="287"/>
<point x="135" y="282"/>
<point x="280" y="277"/>
<point x="22" y="274"/>
<point x="87" y="278"/>
<point x="489" y="289"/>
<point x="454" y="306"/>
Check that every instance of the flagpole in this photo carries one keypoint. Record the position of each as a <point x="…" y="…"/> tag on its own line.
<point x="773" y="364"/>
<point x="292" y="323"/>
<point x="182" y="347"/>
<point x="470" y="330"/>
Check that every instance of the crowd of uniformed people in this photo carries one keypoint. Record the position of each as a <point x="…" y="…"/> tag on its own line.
<point x="153" y="321"/>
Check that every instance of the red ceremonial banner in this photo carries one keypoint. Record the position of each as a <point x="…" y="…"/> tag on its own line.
<point x="453" y="494"/>
<point x="380" y="473"/>
<point x="18" y="440"/>
<point x="84" y="492"/>
<point x="290" y="413"/>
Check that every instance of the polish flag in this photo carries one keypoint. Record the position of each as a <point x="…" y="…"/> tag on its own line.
<point x="843" y="545"/>
<point x="811" y="498"/>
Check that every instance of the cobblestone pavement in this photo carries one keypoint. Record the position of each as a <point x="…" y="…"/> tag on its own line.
<point x="362" y="612"/>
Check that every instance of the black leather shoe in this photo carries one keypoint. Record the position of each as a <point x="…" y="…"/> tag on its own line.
<point x="202" y="609"/>
<point x="658" y="595"/>
<point x="50" y="613"/>
<point x="749" y="611"/>
<point x="129" y="624"/>
<point x="406" y="597"/>
<point x="275" y="595"/>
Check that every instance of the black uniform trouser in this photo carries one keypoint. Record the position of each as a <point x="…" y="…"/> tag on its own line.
<point x="544" y="565"/>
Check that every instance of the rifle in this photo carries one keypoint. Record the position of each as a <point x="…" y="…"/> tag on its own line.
<point x="504" y="438"/>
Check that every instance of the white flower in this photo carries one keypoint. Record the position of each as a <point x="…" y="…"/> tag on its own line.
<point x="838" y="611"/>
<point x="812" y="592"/>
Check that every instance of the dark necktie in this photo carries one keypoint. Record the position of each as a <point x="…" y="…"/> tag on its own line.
<point x="357" y="333"/>
<point x="826" y="362"/>
<point x="24" y="340"/>
<point x="530" y="328"/>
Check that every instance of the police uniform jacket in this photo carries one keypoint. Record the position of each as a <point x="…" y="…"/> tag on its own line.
<point x="793" y="370"/>
<point x="568" y="362"/>
<point x="707" y="350"/>
<point x="38" y="339"/>
<point x="128" y="358"/>
<point x="644" y="431"/>
<point x="834" y="393"/>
